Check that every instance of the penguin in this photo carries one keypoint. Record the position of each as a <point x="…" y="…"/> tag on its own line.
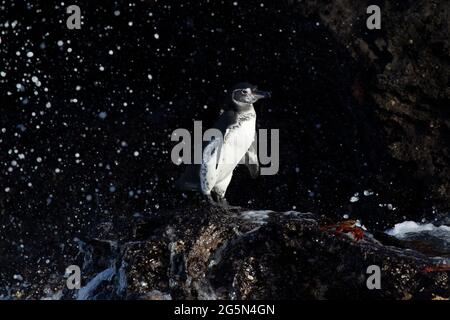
<point x="221" y="155"/>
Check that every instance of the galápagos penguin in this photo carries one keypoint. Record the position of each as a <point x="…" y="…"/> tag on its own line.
<point x="221" y="155"/>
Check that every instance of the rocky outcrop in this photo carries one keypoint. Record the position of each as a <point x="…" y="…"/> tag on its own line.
<point x="405" y="81"/>
<point x="197" y="253"/>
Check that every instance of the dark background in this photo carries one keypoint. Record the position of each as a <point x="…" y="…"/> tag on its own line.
<point x="333" y="143"/>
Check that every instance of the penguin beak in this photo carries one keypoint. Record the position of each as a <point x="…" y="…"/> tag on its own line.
<point x="261" y="94"/>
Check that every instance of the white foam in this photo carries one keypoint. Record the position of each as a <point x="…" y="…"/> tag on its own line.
<point x="401" y="230"/>
<point x="258" y="217"/>
<point x="85" y="293"/>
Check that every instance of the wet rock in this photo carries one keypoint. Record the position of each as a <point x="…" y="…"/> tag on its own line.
<point x="406" y="71"/>
<point x="147" y="264"/>
<point x="219" y="254"/>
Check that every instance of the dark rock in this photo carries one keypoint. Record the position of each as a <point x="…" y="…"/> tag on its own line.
<point x="405" y="82"/>
<point x="229" y="254"/>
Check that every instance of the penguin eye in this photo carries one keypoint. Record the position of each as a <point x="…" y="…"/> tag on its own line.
<point x="246" y="91"/>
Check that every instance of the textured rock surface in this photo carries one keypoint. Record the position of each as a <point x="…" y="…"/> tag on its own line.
<point x="406" y="79"/>
<point x="218" y="254"/>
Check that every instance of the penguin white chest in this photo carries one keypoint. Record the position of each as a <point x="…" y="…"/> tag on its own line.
<point x="237" y="140"/>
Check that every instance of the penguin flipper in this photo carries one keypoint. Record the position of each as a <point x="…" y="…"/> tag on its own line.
<point x="208" y="168"/>
<point x="251" y="160"/>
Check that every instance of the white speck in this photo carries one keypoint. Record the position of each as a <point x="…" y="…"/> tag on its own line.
<point x="7" y="189"/>
<point x="150" y="77"/>
<point x="345" y="216"/>
<point x="3" y="74"/>
<point x="30" y="54"/>
<point x="130" y="23"/>
<point x="102" y="115"/>
<point x="89" y="197"/>
<point x="39" y="159"/>
<point x="117" y="13"/>
<point x="111" y="52"/>
<point x="18" y="277"/>
<point x="60" y="43"/>
<point x="57" y="170"/>
<point x="368" y="193"/>
<point x="77" y="155"/>
<point x="156" y="36"/>
<point x="112" y="189"/>
<point x="101" y="68"/>
<point x="354" y="199"/>
<point x="136" y="153"/>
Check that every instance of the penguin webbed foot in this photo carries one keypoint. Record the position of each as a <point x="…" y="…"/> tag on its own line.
<point x="219" y="202"/>
<point x="209" y="200"/>
<point x="230" y="207"/>
<point x="224" y="203"/>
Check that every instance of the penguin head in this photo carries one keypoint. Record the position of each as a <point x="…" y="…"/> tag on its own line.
<point x="245" y="94"/>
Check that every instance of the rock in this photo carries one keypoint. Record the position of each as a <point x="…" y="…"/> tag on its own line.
<point x="406" y="71"/>
<point x="213" y="253"/>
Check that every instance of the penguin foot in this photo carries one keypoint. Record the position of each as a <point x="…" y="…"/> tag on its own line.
<point x="224" y="204"/>
<point x="219" y="202"/>
<point x="209" y="200"/>
<point x="230" y="207"/>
